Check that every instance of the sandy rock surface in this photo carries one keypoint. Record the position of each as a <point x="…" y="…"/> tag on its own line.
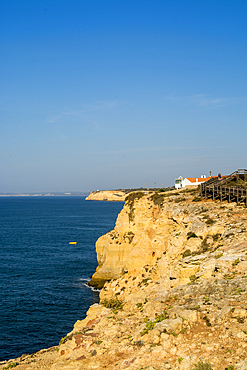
<point x="36" y="361"/>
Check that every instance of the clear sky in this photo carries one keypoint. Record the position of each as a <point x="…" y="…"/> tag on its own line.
<point x="107" y="94"/>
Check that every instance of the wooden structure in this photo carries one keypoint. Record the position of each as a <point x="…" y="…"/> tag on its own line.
<point x="224" y="189"/>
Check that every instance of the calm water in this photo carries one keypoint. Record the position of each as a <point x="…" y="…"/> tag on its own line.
<point x="42" y="276"/>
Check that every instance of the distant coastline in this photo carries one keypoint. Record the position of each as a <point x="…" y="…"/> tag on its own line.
<point x="45" y="194"/>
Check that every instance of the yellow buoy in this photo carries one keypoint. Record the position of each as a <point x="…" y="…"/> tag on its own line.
<point x="72" y="242"/>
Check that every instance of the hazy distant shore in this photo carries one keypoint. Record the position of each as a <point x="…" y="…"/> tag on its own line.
<point x="54" y="194"/>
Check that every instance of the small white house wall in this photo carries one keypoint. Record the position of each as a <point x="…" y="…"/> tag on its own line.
<point x="186" y="182"/>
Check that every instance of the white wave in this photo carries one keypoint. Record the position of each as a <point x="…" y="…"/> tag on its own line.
<point x="84" y="282"/>
<point x="91" y="287"/>
<point x="84" y="279"/>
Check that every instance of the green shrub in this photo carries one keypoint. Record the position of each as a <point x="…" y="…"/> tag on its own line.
<point x="196" y="307"/>
<point x="204" y="246"/>
<point x="149" y="326"/>
<point x="186" y="253"/>
<point x="207" y="320"/>
<point x="157" y="198"/>
<point x="190" y="234"/>
<point x="196" y="199"/>
<point x="202" y="366"/>
<point x="236" y="262"/>
<point x="193" y="278"/>
<point x="14" y="364"/>
<point x="238" y="182"/>
<point x="216" y="237"/>
<point x="65" y="339"/>
<point x="112" y="303"/>
<point x="163" y="316"/>
<point x="191" y="191"/>
<point x="180" y="200"/>
<point x="209" y="221"/>
<point x="133" y="196"/>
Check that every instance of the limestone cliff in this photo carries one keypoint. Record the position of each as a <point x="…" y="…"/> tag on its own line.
<point x="151" y="226"/>
<point x="110" y="195"/>
<point x="139" y="237"/>
<point x="176" y="295"/>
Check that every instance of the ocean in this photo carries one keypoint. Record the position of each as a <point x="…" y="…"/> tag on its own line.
<point x="43" y="278"/>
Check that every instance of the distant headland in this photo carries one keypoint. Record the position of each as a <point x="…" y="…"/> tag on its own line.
<point x="117" y="195"/>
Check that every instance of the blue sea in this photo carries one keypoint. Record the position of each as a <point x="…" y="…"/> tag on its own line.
<point x="43" y="278"/>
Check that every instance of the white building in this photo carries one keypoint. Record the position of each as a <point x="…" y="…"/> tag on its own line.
<point x="178" y="182"/>
<point x="190" y="181"/>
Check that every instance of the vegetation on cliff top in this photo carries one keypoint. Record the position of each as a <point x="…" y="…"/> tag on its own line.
<point x="158" y="196"/>
<point x="130" y="200"/>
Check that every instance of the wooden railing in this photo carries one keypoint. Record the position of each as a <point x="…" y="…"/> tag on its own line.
<point x="219" y="189"/>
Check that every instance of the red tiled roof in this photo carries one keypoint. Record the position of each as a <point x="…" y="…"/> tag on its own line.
<point x="202" y="179"/>
<point x="199" y="179"/>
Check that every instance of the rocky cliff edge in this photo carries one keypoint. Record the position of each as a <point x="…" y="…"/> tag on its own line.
<point x="174" y="294"/>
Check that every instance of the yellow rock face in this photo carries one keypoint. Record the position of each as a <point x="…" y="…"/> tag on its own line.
<point x="143" y="233"/>
<point x="138" y="238"/>
<point x="159" y="228"/>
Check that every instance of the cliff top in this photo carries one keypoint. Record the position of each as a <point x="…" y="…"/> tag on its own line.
<point x="120" y="194"/>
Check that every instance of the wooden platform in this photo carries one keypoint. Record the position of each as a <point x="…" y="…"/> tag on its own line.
<point x="225" y="189"/>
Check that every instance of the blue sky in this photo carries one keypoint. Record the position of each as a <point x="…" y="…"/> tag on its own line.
<point x="100" y="94"/>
